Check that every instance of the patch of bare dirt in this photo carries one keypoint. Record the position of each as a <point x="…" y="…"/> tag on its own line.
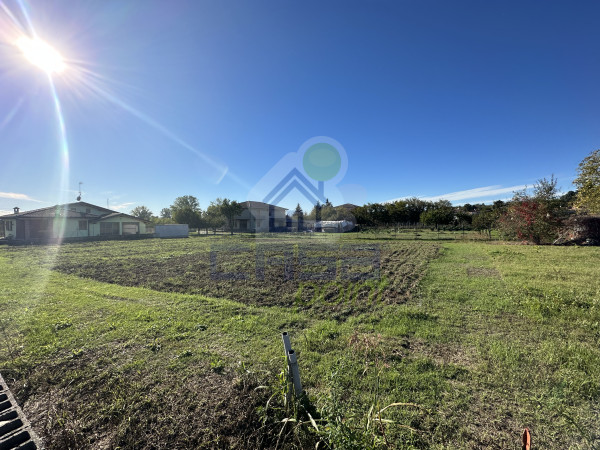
<point x="353" y="279"/>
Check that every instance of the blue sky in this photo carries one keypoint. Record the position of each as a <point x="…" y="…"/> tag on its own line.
<point x="428" y="98"/>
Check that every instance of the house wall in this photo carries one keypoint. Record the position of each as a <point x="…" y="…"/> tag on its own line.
<point x="12" y="233"/>
<point x="143" y="229"/>
<point x="71" y="227"/>
<point x="279" y="215"/>
<point x="68" y="227"/>
<point x="258" y="218"/>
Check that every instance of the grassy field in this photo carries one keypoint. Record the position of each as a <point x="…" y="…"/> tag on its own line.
<point x="135" y="345"/>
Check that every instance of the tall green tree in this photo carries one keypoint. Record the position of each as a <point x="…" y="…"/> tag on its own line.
<point x="588" y="183"/>
<point x="362" y="215"/>
<point x="318" y="209"/>
<point x="212" y="217"/>
<point x="299" y="215"/>
<point x="165" y="213"/>
<point x="568" y="199"/>
<point x="315" y="213"/>
<point x="546" y="190"/>
<point x="414" y="208"/>
<point x="162" y="220"/>
<point x="379" y="213"/>
<point x="485" y="221"/>
<point x="328" y="211"/>
<point x="186" y="209"/>
<point x="141" y="212"/>
<point x="441" y="215"/>
<point x="188" y="216"/>
<point x="229" y="209"/>
<point x="185" y="201"/>
<point x="397" y="211"/>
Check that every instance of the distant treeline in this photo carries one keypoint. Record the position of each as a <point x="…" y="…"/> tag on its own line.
<point x="536" y="217"/>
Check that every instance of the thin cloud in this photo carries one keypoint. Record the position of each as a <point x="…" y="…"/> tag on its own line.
<point x="468" y="194"/>
<point x="487" y="191"/>
<point x="121" y="206"/>
<point x="17" y="196"/>
<point x="4" y="212"/>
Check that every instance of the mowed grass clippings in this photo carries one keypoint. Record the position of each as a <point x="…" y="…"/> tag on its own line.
<point x="486" y="339"/>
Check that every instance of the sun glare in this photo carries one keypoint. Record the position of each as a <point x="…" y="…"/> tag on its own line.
<point x="40" y="54"/>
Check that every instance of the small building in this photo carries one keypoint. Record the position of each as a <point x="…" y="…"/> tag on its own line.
<point x="71" y="220"/>
<point x="259" y="217"/>
<point x="172" y="230"/>
<point x="334" y="226"/>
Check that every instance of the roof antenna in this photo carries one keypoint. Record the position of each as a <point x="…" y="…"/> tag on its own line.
<point x="79" y="196"/>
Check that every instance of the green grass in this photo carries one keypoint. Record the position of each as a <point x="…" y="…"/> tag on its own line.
<point x="426" y="234"/>
<point x="497" y="337"/>
<point x="524" y="322"/>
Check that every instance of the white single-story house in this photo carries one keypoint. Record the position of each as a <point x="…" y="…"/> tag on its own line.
<point x="260" y="217"/>
<point x="71" y="220"/>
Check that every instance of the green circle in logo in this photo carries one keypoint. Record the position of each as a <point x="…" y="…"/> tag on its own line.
<point x="322" y="161"/>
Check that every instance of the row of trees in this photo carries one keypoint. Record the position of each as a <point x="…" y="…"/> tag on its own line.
<point x="186" y="210"/>
<point x="327" y="211"/>
<point x="536" y="217"/>
<point x="414" y="210"/>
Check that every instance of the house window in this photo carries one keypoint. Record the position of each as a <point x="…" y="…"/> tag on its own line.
<point x="109" y="228"/>
<point x="9" y="225"/>
<point x="131" y="228"/>
<point x="83" y="225"/>
<point x="88" y="210"/>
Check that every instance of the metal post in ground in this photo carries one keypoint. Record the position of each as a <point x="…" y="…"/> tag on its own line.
<point x="286" y="342"/>
<point x="293" y="364"/>
<point x="293" y="372"/>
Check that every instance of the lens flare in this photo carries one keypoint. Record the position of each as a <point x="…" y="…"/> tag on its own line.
<point x="41" y="54"/>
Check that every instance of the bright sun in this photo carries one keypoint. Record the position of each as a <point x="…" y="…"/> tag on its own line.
<point x="41" y="54"/>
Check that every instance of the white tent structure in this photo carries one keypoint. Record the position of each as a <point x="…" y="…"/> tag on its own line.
<point x="334" y="226"/>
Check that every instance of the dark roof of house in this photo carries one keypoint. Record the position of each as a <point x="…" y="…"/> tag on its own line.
<point x="45" y="213"/>
<point x="50" y="211"/>
<point x="90" y="205"/>
<point x="64" y="211"/>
